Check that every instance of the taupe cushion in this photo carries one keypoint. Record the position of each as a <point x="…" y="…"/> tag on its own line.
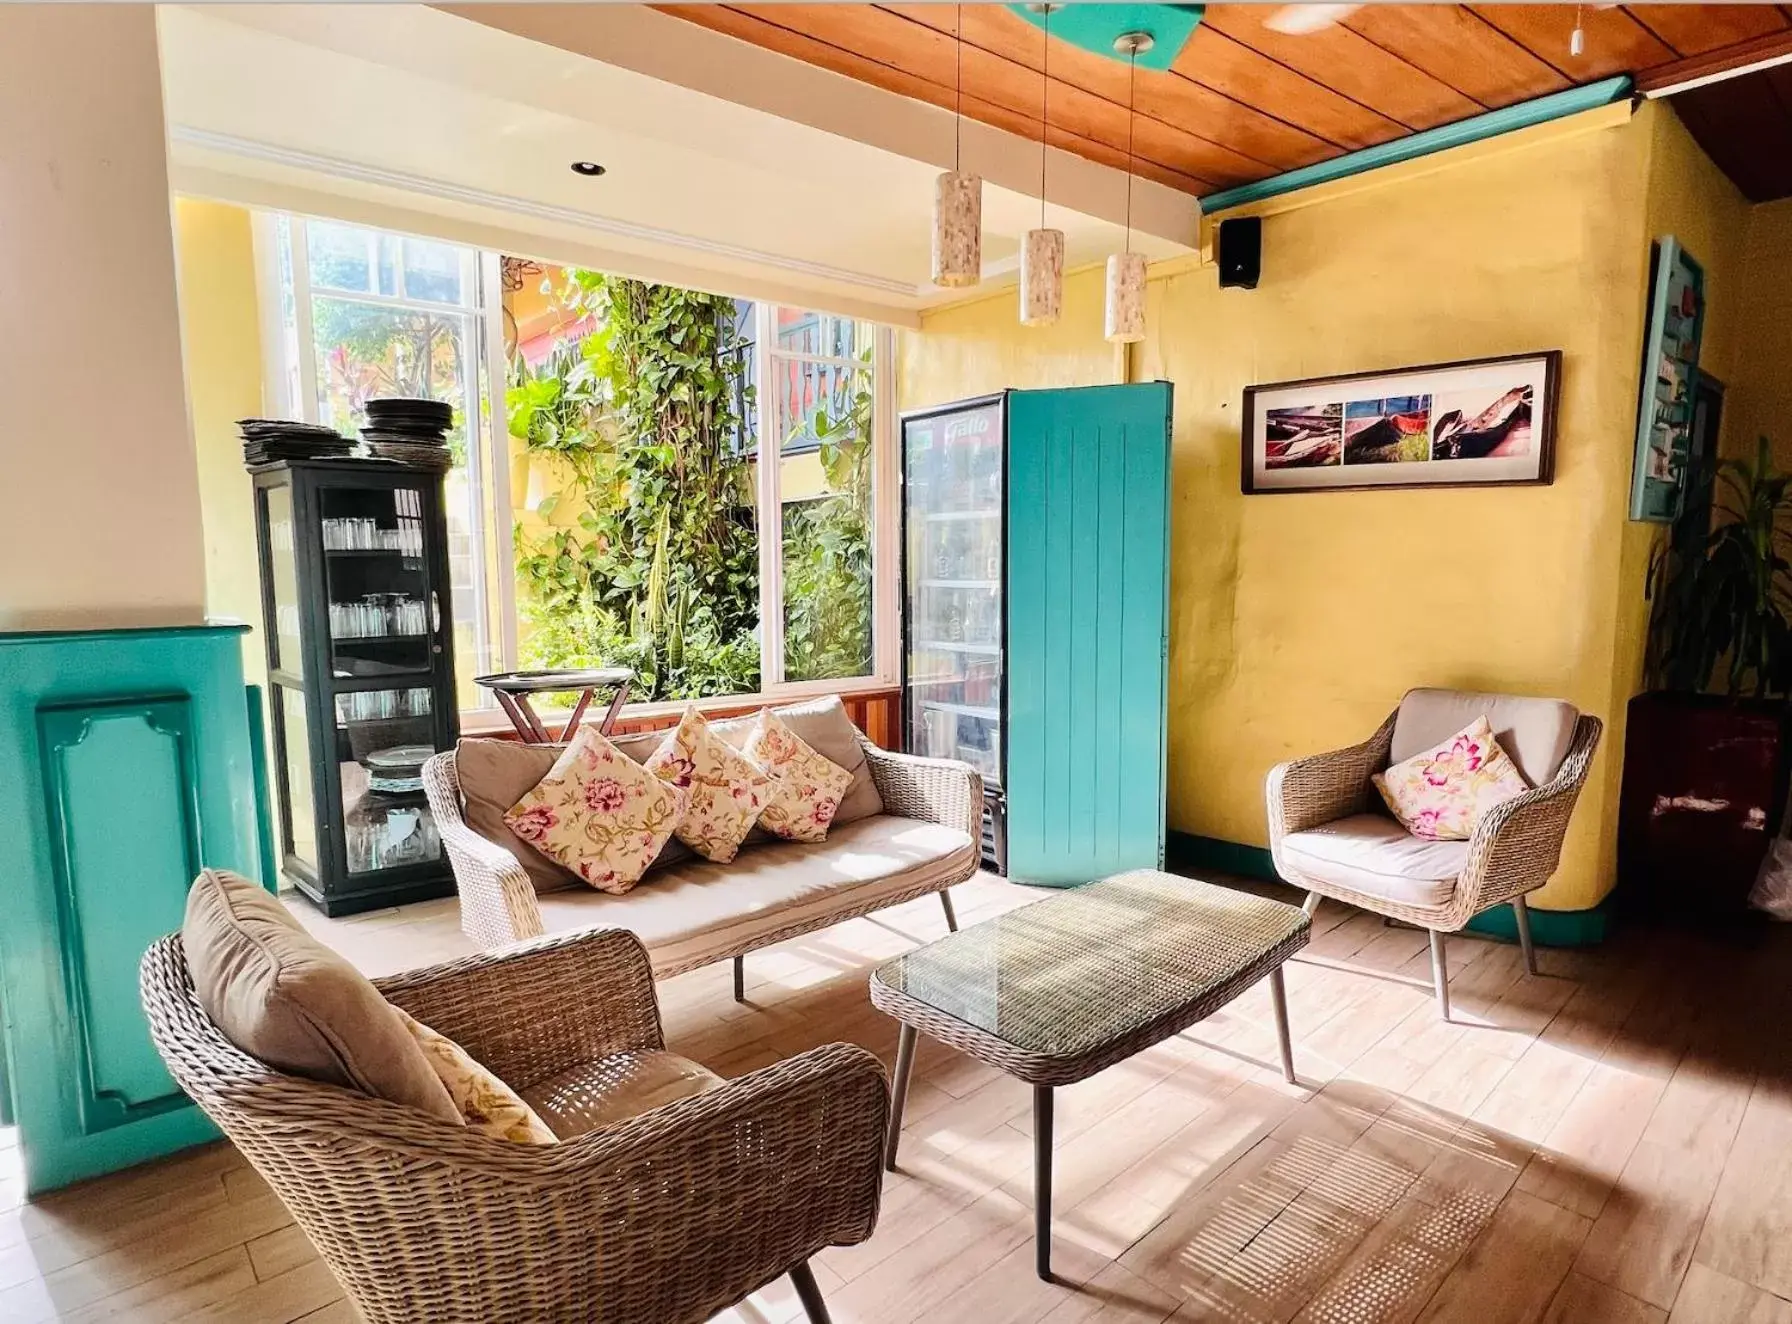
<point x="695" y="911"/>
<point x="822" y="725"/>
<point x="495" y="774"/>
<point x="1535" y="733"/>
<point x="1373" y="854"/>
<point x="613" y="1089"/>
<point x="285" y="999"/>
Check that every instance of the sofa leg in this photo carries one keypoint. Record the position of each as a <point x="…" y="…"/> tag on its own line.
<point x="1440" y="974"/>
<point x="740" y="979"/>
<point x="1523" y="915"/>
<point x="1311" y="904"/>
<point x="951" y="915"/>
<point x="808" y="1291"/>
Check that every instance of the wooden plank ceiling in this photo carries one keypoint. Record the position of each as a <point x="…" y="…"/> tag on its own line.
<point x="1745" y="125"/>
<point x="1243" y="102"/>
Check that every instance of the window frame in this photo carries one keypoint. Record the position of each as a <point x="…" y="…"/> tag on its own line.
<point x="279" y="236"/>
<point x="885" y="512"/>
<point x="488" y="450"/>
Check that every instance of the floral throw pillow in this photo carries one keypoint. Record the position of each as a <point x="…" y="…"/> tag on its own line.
<point x="1442" y="793"/>
<point x="806" y="788"/>
<point x="487" y="1103"/>
<point x="725" y="790"/>
<point x="599" y="813"/>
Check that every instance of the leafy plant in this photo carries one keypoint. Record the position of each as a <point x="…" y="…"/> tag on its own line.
<point x="827" y="550"/>
<point x="1722" y="595"/>
<point x="661" y="571"/>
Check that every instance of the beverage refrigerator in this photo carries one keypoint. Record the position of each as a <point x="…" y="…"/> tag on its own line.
<point x="953" y="571"/>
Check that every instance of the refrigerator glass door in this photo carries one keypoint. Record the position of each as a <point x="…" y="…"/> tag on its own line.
<point x="953" y="572"/>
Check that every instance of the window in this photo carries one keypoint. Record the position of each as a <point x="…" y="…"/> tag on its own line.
<point x="824" y="427"/>
<point x="743" y="544"/>
<point x="366" y="314"/>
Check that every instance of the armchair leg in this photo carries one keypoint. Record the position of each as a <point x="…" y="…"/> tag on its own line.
<point x="1523" y="915"/>
<point x="740" y="979"/>
<point x="1440" y="974"/>
<point x="951" y="915"/>
<point x="1311" y="904"/>
<point x="809" y="1293"/>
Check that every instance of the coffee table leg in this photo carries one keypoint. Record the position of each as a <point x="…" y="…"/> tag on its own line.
<point x="905" y="1063"/>
<point x="1279" y="995"/>
<point x="1042" y="1180"/>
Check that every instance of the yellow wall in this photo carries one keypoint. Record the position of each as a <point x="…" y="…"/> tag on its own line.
<point x="1759" y="401"/>
<point x="221" y="340"/>
<point x="1297" y="621"/>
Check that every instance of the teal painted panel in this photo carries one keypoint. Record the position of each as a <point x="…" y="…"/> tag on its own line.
<point x="126" y="763"/>
<point x="122" y="800"/>
<point x="1088" y="576"/>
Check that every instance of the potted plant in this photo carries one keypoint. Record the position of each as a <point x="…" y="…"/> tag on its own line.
<point x="1705" y="755"/>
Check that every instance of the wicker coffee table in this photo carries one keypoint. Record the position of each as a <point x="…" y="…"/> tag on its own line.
<point x="1055" y="991"/>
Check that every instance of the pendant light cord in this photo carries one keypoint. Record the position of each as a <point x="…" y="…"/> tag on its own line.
<point x="1132" y="78"/>
<point x="958" y="94"/>
<point x="1045" y="102"/>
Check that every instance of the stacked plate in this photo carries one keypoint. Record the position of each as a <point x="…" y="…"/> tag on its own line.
<point x="412" y="431"/>
<point x="269" y="440"/>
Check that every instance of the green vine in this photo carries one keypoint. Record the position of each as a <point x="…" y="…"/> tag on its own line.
<point x="661" y="571"/>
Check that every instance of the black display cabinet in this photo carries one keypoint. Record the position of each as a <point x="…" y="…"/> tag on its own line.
<point x="354" y="588"/>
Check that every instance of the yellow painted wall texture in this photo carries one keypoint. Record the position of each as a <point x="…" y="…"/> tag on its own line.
<point x="221" y="346"/>
<point x="1759" y="401"/>
<point x="1297" y="621"/>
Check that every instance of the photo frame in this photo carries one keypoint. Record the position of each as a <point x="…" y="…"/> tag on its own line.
<point x="1670" y="376"/>
<point x="1478" y="422"/>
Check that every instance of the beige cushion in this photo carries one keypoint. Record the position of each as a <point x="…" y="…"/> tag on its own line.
<point x="599" y="813"/>
<point x="613" y="1089"/>
<point x="1535" y="733"/>
<point x="695" y="912"/>
<point x="285" y="999"/>
<point x="806" y="786"/>
<point x="1372" y="854"/>
<point x="725" y="792"/>
<point x="495" y="774"/>
<point x="822" y="724"/>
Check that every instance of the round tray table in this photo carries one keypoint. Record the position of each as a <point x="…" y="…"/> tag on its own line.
<point x="513" y="688"/>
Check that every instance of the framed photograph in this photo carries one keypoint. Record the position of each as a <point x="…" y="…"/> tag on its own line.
<point x="1664" y="415"/>
<point x="1440" y="425"/>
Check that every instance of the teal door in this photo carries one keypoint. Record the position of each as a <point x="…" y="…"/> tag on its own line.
<point x="1088" y="576"/>
<point x="128" y="760"/>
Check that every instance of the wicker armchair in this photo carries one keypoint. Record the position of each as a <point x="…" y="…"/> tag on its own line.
<point x="497" y="901"/>
<point x="668" y="1217"/>
<point x="1515" y="848"/>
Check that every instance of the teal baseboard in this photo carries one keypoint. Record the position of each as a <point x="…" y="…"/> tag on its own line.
<point x="1187" y="853"/>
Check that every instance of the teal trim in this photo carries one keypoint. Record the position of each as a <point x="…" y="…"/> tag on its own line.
<point x="1195" y="855"/>
<point x="125" y="632"/>
<point x="125" y="766"/>
<point x="1094" y="28"/>
<point x="264" y="809"/>
<point x="1088" y="547"/>
<point x="1549" y="928"/>
<point x="1491" y="124"/>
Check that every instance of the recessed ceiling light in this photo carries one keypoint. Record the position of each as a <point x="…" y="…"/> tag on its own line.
<point x="590" y="169"/>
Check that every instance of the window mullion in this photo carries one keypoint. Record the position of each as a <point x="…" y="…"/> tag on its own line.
<point x="771" y="510"/>
<point x="301" y="310"/>
<point x="502" y="512"/>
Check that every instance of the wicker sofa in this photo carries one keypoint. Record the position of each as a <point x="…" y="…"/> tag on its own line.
<point x="696" y="912"/>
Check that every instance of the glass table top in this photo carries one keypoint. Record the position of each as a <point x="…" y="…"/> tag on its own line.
<point x="1084" y="968"/>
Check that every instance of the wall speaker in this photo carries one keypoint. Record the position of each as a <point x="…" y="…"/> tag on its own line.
<point x="1241" y="252"/>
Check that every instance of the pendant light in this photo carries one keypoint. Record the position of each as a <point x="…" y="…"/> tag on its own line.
<point x="958" y="201"/>
<point x="1042" y="251"/>
<point x="1125" y="320"/>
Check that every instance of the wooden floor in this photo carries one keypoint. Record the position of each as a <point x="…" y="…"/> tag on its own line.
<point x="1610" y="1143"/>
